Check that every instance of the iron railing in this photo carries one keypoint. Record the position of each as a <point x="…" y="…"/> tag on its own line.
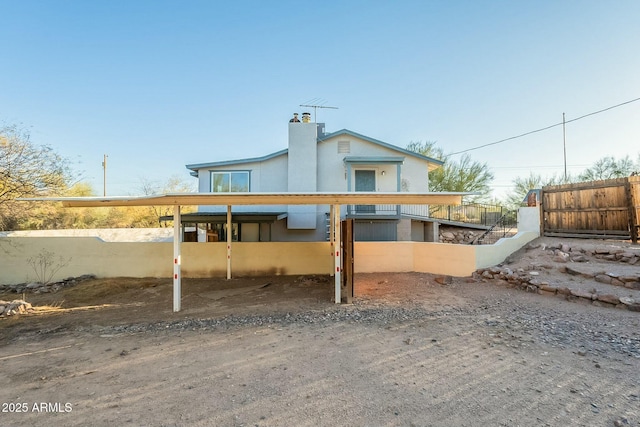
<point x="506" y="226"/>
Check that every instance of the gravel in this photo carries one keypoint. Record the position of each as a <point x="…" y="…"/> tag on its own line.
<point x="587" y="333"/>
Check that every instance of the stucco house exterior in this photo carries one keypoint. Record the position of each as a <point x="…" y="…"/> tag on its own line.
<point x="316" y="161"/>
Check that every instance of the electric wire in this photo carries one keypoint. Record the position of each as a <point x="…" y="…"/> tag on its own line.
<point x="544" y="128"/>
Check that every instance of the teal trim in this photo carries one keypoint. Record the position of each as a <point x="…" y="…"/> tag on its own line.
<point x="197" y="166"/>
<point x="373" y="159"/>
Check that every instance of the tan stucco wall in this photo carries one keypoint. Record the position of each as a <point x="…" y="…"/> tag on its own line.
<point x="424" y="257"/>
<point x="154" y="259"/>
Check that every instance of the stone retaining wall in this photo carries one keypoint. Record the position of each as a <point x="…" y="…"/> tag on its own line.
<point x="528" y="278"/>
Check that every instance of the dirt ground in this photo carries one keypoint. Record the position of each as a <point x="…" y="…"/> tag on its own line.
<point x="275" y="351"/>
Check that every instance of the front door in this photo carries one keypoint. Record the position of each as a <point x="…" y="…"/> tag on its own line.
<point x="365" y="181"/>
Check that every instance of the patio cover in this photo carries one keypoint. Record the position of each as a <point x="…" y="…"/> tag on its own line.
<point x="230" y="199"/>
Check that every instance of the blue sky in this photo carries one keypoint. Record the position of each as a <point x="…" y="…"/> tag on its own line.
<point x="156" y="85"/>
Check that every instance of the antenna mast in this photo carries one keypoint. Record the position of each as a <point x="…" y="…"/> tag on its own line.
<point x="315" y="104"/>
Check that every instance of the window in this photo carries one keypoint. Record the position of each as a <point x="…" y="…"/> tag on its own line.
<point x="229" y="182"/>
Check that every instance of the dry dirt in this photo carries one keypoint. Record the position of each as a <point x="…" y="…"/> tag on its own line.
<point x="275" y="351"/>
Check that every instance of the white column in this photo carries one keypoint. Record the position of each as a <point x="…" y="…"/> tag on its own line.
<point x="332" y="238"/>
<point x="177" y="285"/>
<point x="229" y="235"/>
<point x="336" y="253"/>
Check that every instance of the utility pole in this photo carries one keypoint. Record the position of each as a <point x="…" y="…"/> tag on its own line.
<point x="104" y="176"/>
<point x="564" y="145"/>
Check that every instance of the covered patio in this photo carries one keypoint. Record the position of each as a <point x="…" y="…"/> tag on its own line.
<point x="334" y="200"/>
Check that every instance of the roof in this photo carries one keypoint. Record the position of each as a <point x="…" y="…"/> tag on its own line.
<point x="197" y="166"/>
<point x="236" y="199"/>
<point x="324" y="137"/>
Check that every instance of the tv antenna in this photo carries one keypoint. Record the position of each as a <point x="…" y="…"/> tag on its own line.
<point x="316" y="103"/>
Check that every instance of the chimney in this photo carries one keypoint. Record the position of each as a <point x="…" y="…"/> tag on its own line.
<point x="306" y="118"/>
<point x="302" y="167"/>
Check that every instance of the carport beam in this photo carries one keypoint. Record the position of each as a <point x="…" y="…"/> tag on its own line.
<point x="177" y="285"/>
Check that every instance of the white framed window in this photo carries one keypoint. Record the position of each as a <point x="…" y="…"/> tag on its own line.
<point x="230" y="182"/>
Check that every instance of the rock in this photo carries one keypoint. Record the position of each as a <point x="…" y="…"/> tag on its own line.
<point x="582" y="294"/>
<point x="444" y="280"/>
<point x="561" y="257"/>
<point x="616" y="282"/>
<point x="603" y="278"/>
<point x="608" y="298"/>
<point x="631" y="303"/>
<point x="632" y="285"/>
<point x="565" y="248"/>
<point x="579" y="258"/>
<point x="572" y="271"/>
<point x="448" y="235"/>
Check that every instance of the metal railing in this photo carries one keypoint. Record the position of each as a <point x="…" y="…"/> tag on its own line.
<point x="473" y="213"/>
<point x="506" y="226"/>
<point x="372" y="211"/>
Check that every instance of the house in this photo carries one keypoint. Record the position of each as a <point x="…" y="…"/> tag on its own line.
<point x="316" y="161"/>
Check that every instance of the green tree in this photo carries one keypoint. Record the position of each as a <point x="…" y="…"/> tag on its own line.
<point x="27" y="170"/>
<point x="464" y="174"/>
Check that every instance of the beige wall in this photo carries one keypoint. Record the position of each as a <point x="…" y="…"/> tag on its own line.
<point x="154" y="259"/>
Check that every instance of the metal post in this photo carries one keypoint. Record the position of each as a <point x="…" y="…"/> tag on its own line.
<point x="229" y="238"/>
<point x="177" y="285"/>
<point x="337" y="254"/>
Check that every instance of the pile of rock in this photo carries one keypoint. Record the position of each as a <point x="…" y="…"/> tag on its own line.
<point x="617" y="255"/>
<point x="41" y="288"/>
<point x="10" y="308"/>
<point x="459" y="236"/>
<point x="529" y="281"/>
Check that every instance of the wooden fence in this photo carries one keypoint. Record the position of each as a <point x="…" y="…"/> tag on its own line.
<point x="608" y="209"/>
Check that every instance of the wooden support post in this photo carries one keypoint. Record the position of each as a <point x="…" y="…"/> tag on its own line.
<point x="229" y="238"/>
<point x="177" y="278"/>
<point x="337" y="254"/>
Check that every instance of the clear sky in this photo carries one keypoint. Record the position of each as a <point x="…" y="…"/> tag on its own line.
<point x="157" y="85"/>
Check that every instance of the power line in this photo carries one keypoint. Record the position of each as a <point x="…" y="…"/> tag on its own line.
<point x="544" y="128"/>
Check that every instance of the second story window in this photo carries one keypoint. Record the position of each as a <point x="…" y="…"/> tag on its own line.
<point x="229" y="182"/>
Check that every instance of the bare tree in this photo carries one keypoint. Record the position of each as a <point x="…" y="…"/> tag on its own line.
<point x="608" y="167"/>
<point x="27" y="170"/>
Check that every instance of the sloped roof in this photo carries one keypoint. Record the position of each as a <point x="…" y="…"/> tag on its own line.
<point x="195" y="166"/>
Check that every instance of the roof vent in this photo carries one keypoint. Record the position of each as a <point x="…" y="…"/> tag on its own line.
<point x="306" y="117"/>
